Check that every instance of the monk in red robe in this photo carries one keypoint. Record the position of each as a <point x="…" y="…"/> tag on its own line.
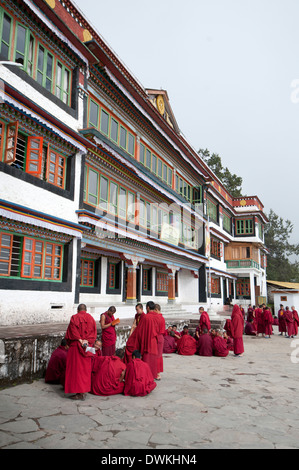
<point x="282" y="327"/>
<point x="289" y="319"/>
<point x="131" y="341"/>
<point x="170" y="345"/>
<point x="160" y="341"/>
<point x="249" y="328"/>
<point x="296" y="320"/>
<point x="268" y="322"/>
<point x="108" y="332"/>
<point x="81" y="332"/>
<point x="186" y="344"/>
<point x="229" y="341"/>
<point x="259" y="313"/>
<point x="220" y="348"/>
<point x="237" y="328"/>
<point x="98" y="347"/>
<point x="204" y="320"/>
<point x="147" y="337"/>
<point x="139" y="379"/>
<point x="55" y="372"/>
<point x="227" y="327"/>
<point x="108" y="374"/>
<point x="204" y="344"/>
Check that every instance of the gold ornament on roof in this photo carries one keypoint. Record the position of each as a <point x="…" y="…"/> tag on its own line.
<point x="160" y="104"/>
<point x="243" y="202"/>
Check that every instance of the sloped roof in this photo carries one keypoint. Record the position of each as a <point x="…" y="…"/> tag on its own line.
<point x="284" y="285"/>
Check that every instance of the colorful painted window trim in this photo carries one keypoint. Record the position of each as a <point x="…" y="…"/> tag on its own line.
<point x="216" y="248"/>
<point x="243" y="287"/>
<point x="18" y="43"/>
<point x="162" y="282"/>
<point x="244" y="226"/>
<point x="32" y="155"/>
<point x="215" y="285"/>
<point x="30" y="258"/>
<point x="155" y="164"/>
<point x="212" y="210"/>
<point x="227" y="223"/>
<point x="87" y="272"/>
<point x="107" y="123"/>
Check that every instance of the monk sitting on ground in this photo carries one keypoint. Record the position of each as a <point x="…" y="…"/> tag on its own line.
<point x="108" y="374"/>
<point x="55" y="373"/>
<point x="205" y="344"/>
<point x="186" y="344"/>
<point x="220" y="345"/>
<point x="170" y="345"/>
<point x="249" y="328"/>
<point x="229" y="341"/>
<point x="139" y="379"/>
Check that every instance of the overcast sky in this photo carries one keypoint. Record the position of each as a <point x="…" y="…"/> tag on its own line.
<point x="230" y="69"/>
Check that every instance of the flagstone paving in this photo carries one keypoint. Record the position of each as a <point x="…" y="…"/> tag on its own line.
<point x="200" y="403"/>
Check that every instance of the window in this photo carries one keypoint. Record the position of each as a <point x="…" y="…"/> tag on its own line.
<point x="93" y="114"/>
<point x="162" y="282"/>
<point x="169" y="181"/>
<point x="212" y="210"/>
<point x="160" y="168"/>
<point x="24" y="48"/>
<point x="154" y="164"/>
<point x="87" y="273"/>
<point x="131" y="144"/>
<point x="114" y="130"/>
<point x="142" y="214"/>
<point x="53" y="255"/>
<point x="146" y="281"/>
<point x="215" y="285"/>
<point x="113" y="198"/>
<point x="113" y="276"/>
<point x="6" y="30"/>
<point x="216" y="248"/>
<point x="244" y="227"/>
<point x="56" y="169"/>
<point x="227" y="223"/>
<point x="62" y="83"/>
<point x="123" y="138"/>
<point x="41" y="260"/>
<point x="243" y="287"/>
<point x="142" y="154"/>
<point x="148" y="158"/>
<point x="122" y="203"/>
<point x="104" y="193"/>
<point x="131" y="207"/>
<point x="104" y="122"/>
<point x="34" y="155"/>
<point x="93" y="187"/>
<point x="5" y="253"/>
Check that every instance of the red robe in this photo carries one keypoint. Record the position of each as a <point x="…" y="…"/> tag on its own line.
<point x="237" y="328"/>
<point x="249" y="329"/>
<point x="108" y="337"/>
<point x="131" y="344"/>
<point x="160" y="343"/>
<point x="296" y="321"/>
<point x="227" y="327"/>
<point x="282" y="327"/>
<point x="105" y="376"/>
<point x="139" y="379"/>
<point x="220" y="346"/>
<point x="289" y="323"/>
<point x="79" y="363"/>
<point x="268" y="322"/>
<point x="147" y="340"/>
<point x="186" y="345"/>
<point x="204" y="322"/>
<point x="259" y="314"/>
<point x="55" y="372"/>
<point x="169" y="345"/>
<point x="205" y="345"/>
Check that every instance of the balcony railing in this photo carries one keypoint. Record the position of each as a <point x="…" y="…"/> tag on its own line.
<point x="242" y="263"/>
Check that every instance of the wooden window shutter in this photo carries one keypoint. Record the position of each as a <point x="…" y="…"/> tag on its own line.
<point x="34" y="155"/>
<point x="11" y="142"/>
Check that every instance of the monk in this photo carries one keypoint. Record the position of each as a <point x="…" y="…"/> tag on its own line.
<point x="186" y="344"/>
<point x="268" y="322"/>
<point x="147" y="337"/>
<point x="289" y="319"/>
<point x="108" y="332"/>
<point x="204" y="320"/>
<point x="259" y="312"/>
<point x="204" y="344"/>
<point x="227" y="327"/>
<point x="250" y="311"/>
<point x="108" y="374"/>
<point x="249" y="328"/>
<point x="296" y="320"/>
<point x="169" y="345"/>
<point x="131" y="341"/>
<point x="220" y="348"/>
<point x="55" y="372"/>
<point x="160" y="341"/>
<point x="237" y="328"/>
<point x="229" y="341"/>
<point x="282" y="327"/>
<point x="81" y="332"/>
<point x="98" y="347"/>
<point x="139" y="380"/>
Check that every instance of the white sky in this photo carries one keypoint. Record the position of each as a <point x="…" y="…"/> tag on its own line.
<point x="228" y="68"/>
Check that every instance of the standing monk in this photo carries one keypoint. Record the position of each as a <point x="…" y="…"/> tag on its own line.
<point x="296" y="320"/>
<point x="147" y="337"/>
<point x="108" y="332"/>
<point x="289" y="319"/>
<point x="268" y="322"/>
<point x="259" y="312"/>
<point x="81" y="332"/>
<point x="160" y="341"/>
<point x="282" y="327"/>
<point x="131" y="341"/>
<point x="237" y="328"/>
<point x="204" y="321"/>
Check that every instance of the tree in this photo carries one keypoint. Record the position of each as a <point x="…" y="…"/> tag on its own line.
<point x="277" y="235"/>
<point x="231" y="181"/>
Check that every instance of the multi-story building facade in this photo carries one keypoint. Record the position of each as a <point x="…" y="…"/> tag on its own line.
<point x="103" y="201"/>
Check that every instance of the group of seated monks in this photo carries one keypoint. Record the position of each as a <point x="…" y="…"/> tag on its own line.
<point x="109" y="374"/>
<point x="204" y="343"/>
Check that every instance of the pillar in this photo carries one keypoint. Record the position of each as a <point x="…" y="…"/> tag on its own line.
<point x="131" y="285"/>
<point x="252" y="288"/>
<point x="171" y="283"/>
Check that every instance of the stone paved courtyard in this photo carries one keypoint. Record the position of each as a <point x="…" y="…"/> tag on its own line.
<point x="200" y="403"/>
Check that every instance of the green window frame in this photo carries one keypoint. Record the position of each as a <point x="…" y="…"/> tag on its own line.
<point x="142" y="154"/>
<point x="131" y="207"/>
<point x="114" y="126"/>
<point x="212" y="210"/>
<point x="104" y="188"/>
<point x="227" y="223"/>
<point x="142" y="213"/>
<point x="93" y="187"/>
<point x="94" y="113"/>
<point x="6" y="30"/>
<point x="160" y="168"/>
<point x="148" y="159"/>
<point x="113" y="198"/>
<point x="105" y="118"/>
<point x="45" y="68"/>
<point x="197" y="195"/>
<point x="122" y="204"/>
<point x="123" y="138"/>
<point x="244" y="226"/>
<point x="169" y="177"/>
<point x="62" y="82"/>
<point x="131" y="144"/>
<point x="154" y="164"/>
<point x="24" y="47"/>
